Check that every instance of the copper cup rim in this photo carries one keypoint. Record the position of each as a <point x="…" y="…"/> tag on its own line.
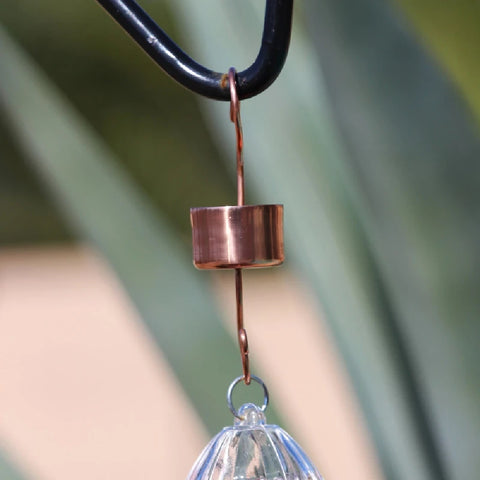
<point x="237" y="207"/>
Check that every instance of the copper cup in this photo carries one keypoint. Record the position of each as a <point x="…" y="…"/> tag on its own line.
<point x="244" y="236"/>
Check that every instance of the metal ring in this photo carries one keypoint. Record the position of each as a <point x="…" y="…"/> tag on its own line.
<point x="235" y="383"/>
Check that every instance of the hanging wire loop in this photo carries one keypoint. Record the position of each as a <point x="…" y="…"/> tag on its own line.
<point x="237" y="121"/>
<point x="195" y="77"/>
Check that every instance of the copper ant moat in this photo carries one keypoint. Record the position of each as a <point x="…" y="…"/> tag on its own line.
<point x="236" y="237"/>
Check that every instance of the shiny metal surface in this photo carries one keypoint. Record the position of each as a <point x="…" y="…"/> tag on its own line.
<point x="237" y="236"/>
<point x="266" y="396"/>
<point x="236" y="119"/>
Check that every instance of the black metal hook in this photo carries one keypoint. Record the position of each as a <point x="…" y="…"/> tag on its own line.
<point x="166" y="53"/>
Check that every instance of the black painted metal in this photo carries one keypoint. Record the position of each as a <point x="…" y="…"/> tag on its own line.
<point x="166" y="53"/>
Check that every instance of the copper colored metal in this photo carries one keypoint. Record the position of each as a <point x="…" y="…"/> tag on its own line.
<point x="237" y="237"/>
<point x="241" y="332"/>
<point x="243" y="236"/>
<point x="235" y="118"/>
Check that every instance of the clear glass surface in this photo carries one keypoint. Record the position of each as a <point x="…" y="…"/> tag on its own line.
<point x="253" y="450"/>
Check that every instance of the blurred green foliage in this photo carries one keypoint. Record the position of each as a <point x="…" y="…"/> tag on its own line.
<point x="7" y="471"/>
<point x="25" y="209"/>
<point x="412" y="146"/>
<point x="128" y="101"/>
<point x="451" y="32"/>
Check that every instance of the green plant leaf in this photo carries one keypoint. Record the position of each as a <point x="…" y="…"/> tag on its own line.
<point x="376" y="170"/>
<point x="103" y="205"/>
<point x="451" y="32"/>
<point x="415" y="153"/>
<point x="7" y="470"/>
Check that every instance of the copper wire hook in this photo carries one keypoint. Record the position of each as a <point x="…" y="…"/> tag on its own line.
<point x="235" y="118"/>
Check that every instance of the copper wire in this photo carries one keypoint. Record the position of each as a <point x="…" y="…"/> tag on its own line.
<point x="235" y="118"/>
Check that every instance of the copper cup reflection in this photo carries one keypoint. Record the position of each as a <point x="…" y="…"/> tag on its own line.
<point x="238" y="236"/>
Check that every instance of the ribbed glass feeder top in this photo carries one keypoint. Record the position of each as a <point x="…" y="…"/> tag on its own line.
<point x="253" y="450"/>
